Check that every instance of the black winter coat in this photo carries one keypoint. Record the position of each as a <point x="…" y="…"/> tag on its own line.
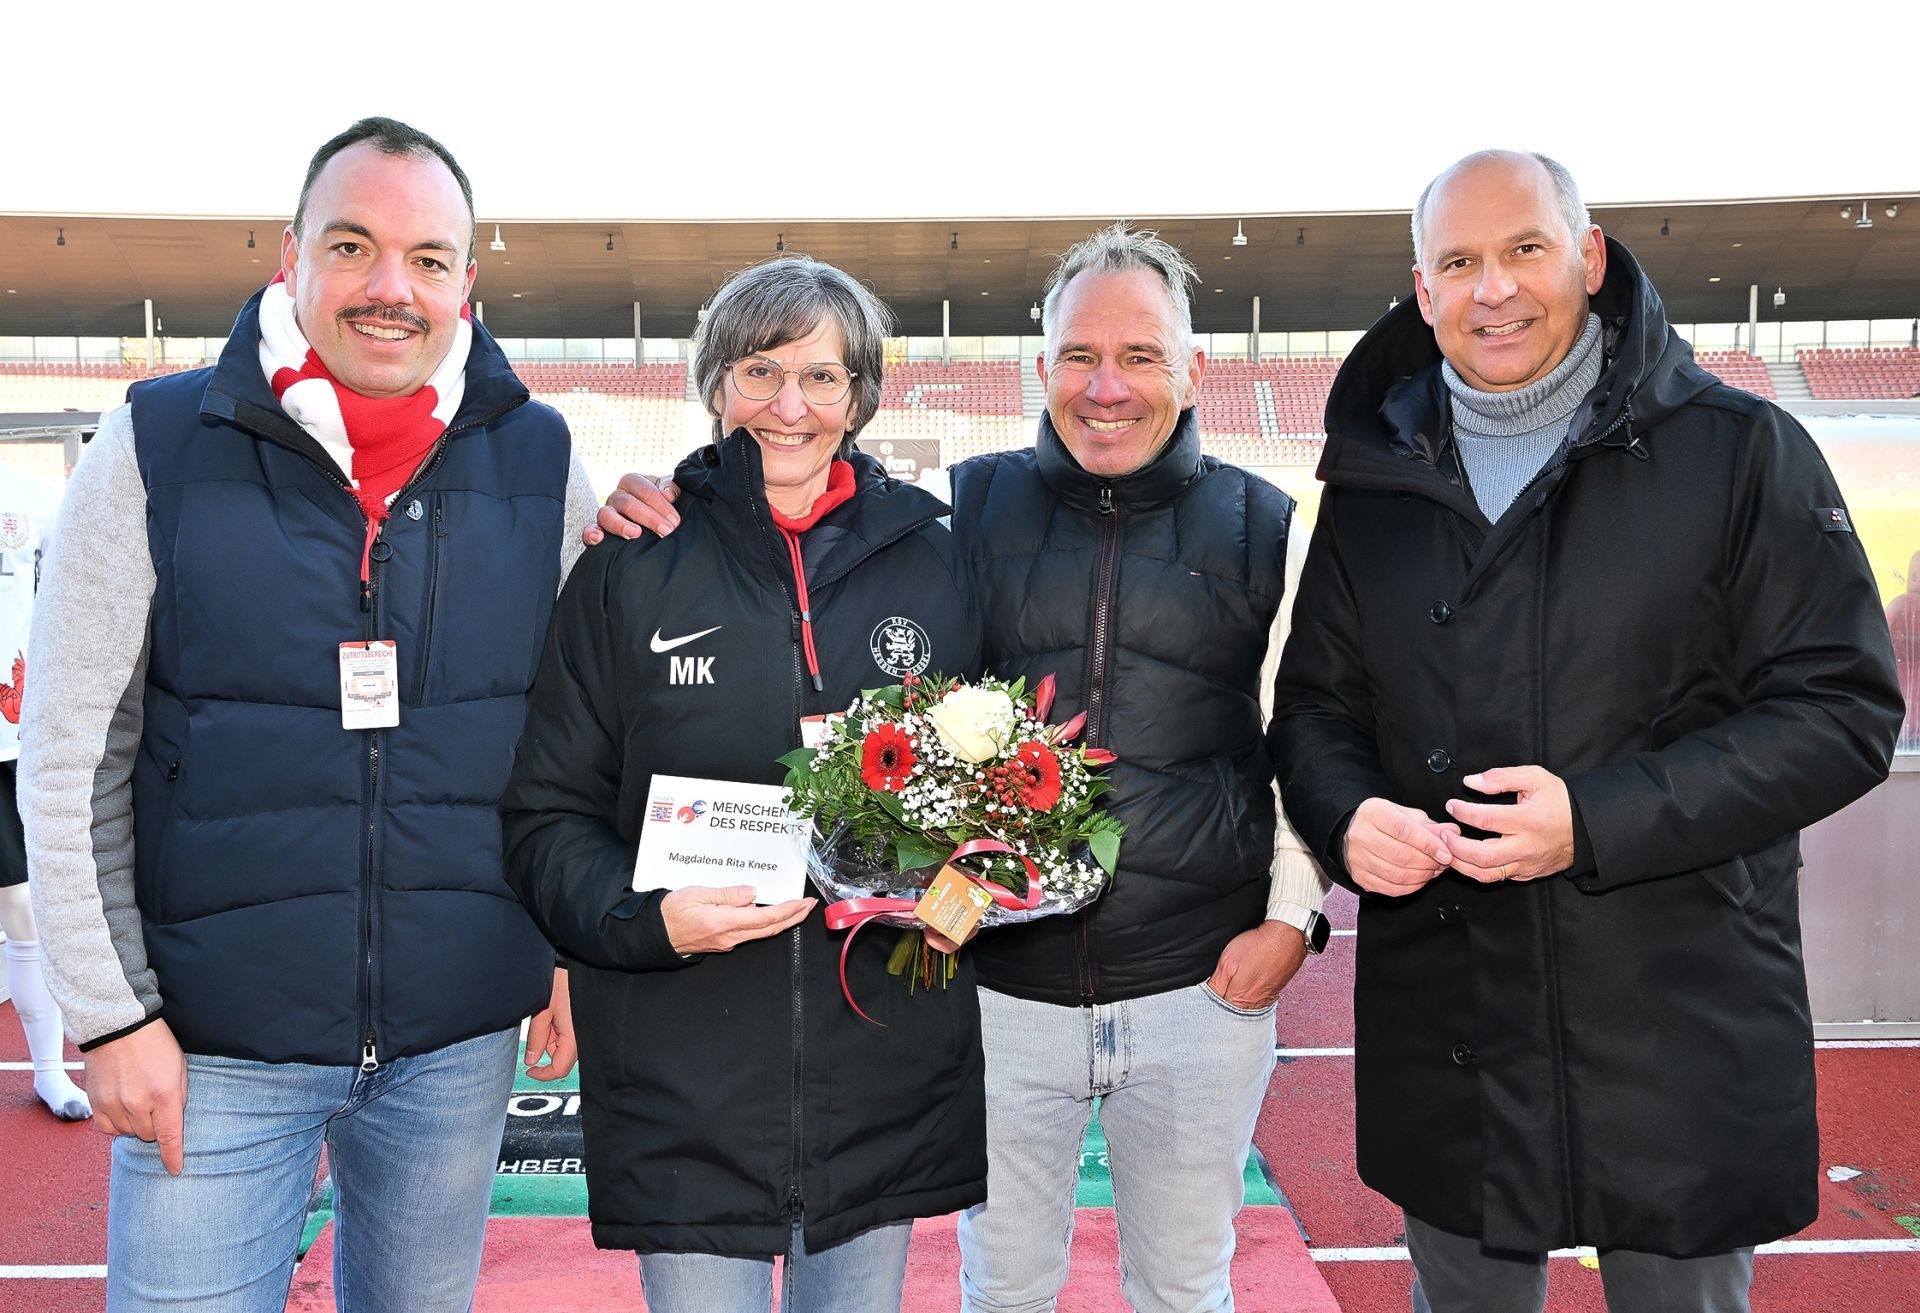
<point x="722" y="1094"/>
<point x="1149" y="592"/>
<point x="1677" y="621"/>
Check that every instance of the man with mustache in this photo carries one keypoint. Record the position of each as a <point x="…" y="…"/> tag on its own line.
<point x="1584" y="638"/>
<point x="280" y="667"/>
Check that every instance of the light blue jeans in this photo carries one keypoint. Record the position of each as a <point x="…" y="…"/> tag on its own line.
<point x="863" y="1274"/>
<point x="1180" y="1077"/>
<point x="412" y="1149"/>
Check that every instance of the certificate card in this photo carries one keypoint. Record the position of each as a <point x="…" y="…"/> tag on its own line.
<point x="717" y="833"/>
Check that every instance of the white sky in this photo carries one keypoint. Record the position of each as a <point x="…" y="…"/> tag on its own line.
<point x="935" y="108"/>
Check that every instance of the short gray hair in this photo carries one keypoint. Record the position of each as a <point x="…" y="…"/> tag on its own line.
<point x="1116" y="250"/>
<point x="1566" y="193"/>
<point x="782" y="301"/>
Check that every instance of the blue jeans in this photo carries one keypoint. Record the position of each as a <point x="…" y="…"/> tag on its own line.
<point x="863" y="1274"/>
<point x="412" y="1148"/>
<point x="1180" y="1077"/>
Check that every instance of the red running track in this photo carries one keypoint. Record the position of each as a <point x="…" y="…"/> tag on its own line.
<point x="53" y="1191"/>
<point x="1869" y="1108"/>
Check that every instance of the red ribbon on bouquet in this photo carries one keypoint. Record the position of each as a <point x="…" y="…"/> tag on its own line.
<point x="853" y="913"/>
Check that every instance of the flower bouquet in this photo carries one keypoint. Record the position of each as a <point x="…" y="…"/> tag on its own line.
<point x="935" y="782"/>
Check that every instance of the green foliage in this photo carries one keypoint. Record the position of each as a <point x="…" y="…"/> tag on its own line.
<point x="913" y="850"/>
<point x="1105" y="845"/>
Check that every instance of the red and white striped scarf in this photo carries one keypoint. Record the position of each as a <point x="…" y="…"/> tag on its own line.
<point x="378" y="442"/>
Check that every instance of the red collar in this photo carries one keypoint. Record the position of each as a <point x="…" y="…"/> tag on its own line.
<point x="839" y="489"/>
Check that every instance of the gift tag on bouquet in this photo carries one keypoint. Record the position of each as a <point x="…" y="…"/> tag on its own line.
<point x="719" y="833"/>
<point x="953" y="904"/>
<point x="815" y="730"/>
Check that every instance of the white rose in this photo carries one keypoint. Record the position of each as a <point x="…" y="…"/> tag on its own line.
<point x="974" y="723"/>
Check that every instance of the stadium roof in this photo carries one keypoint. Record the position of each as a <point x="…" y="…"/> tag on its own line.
<point x="1311" y="271"/>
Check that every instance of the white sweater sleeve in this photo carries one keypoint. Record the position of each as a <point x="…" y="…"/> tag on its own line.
<point x="1297" y="878"/>
<point x="80" y="730"/>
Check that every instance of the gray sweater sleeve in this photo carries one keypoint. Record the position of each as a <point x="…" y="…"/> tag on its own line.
<point x="582" y="502"/>
<point x="79" y="731"/>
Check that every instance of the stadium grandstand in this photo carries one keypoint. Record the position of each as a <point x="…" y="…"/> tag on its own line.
<point x="1266" y="414"/>
<point x="598" y="318"/>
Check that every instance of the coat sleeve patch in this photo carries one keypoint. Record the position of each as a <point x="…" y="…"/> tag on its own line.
<point x="1833" y="519"/>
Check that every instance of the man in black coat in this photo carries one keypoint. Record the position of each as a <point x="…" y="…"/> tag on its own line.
<point x="1584" y="639"/>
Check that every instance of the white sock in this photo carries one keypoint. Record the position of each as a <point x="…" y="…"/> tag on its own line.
<point x="40" y="1018"/>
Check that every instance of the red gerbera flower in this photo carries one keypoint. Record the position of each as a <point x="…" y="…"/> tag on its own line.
<point x="886" y="759"/>
<point x="1036" y="775"/>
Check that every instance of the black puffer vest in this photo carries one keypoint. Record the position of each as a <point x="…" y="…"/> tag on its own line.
<point x="1150" y="597"/>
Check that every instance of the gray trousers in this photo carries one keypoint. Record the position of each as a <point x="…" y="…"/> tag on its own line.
<point x="1454" y="1274"/>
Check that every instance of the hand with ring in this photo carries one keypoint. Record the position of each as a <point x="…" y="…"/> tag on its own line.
<point x="1533" y="835"/>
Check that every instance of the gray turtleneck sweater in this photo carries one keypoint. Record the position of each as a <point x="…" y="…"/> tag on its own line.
<point x="1505" y="438"/>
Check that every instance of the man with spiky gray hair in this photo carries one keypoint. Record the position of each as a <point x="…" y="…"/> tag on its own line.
<point x="1584" y="638"/>
<point x="1153" y="583"/>
<point x="1150" y="580"/>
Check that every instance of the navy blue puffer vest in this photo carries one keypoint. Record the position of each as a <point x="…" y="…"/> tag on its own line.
<point x="309" y="893"/>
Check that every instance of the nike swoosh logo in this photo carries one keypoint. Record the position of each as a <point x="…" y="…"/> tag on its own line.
<point x="660" y="644"/>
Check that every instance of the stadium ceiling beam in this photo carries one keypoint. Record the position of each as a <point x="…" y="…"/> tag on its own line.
<point x="1310" y="271"/>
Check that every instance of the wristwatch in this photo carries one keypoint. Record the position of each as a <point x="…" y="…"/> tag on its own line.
<point x="1313" y="927"/>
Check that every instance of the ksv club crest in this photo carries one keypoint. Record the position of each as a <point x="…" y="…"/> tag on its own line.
<point x="900" y="646"/>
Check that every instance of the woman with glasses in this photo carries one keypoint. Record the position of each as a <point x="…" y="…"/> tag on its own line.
<point x="735" y="1106"/>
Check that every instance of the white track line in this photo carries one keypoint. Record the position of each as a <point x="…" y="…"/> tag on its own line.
<point x="1380" y="1254"/>
<point x="1347" y="1052"/>
<point x="28" y="1066"/>
<point x="1394" y="1253"/>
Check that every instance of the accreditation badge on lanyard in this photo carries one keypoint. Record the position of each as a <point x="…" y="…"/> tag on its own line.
<point x="370" y="684"/>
